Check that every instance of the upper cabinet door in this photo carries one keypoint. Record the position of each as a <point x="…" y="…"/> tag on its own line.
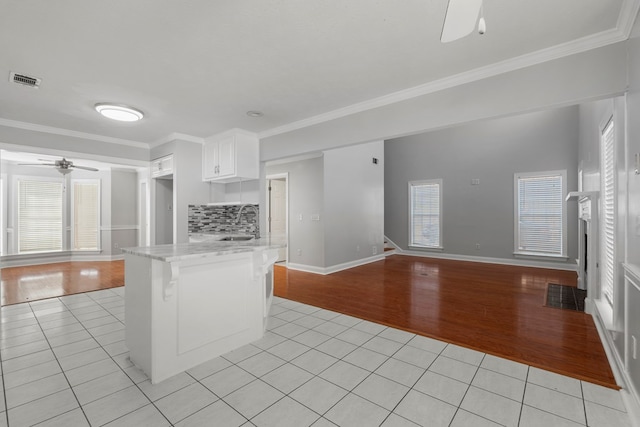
<point x="209" y="160"/>
<point x="231" y="156"/>
<point x="227" y="157"/>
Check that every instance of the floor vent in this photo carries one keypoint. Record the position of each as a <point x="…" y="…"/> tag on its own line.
<point x="24" y="80"/>
<point x="567" y="297"/>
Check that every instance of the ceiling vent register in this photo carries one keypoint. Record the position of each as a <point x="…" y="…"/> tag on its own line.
<point x="24" y="80"/>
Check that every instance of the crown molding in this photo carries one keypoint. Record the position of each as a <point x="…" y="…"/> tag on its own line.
<point x="71" y="133"/>
<point x="626" y="19"/>
<point x="176" y="135"/>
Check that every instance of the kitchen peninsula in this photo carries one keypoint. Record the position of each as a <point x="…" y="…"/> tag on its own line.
<point x="188" y="303"/>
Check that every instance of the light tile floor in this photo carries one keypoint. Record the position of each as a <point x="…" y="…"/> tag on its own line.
<point x="64" y="363"/>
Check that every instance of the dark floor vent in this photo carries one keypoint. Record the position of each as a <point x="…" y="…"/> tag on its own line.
<point x="566" y="297"/>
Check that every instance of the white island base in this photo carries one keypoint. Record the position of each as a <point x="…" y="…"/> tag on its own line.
<point x="184" y="312"/>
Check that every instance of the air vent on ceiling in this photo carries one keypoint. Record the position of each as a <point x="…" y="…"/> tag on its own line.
<point x="24" y="80"/>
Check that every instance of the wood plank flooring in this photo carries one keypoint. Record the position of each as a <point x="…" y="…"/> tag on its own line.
<point x="34" y="282"/>
<point x="492" y="308"/>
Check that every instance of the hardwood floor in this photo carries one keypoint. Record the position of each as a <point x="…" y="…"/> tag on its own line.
<point x="34" y="282"/>
<point x="492" y="308"/>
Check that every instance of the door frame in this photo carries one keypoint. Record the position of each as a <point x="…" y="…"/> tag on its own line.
<point x="280" y="176"/>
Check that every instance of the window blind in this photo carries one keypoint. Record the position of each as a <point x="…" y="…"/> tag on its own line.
<point x="540" y="214"/>
<point x="39" y="216"/>
<point x="608" y="210"/>
<point x="86" y="215"/>
<point x="425" y="214"/>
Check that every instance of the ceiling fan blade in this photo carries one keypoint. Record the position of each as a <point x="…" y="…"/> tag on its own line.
<point x="84" y="167"/>
<point x="460" y="19"/>
<point x="36" y="164"/>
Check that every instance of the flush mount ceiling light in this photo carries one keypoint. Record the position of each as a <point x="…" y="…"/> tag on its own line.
<point x="254" y="113"/>
<point x="119" y="112"/>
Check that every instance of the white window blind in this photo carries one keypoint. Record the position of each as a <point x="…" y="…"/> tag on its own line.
<point x="86" y="215"/>
<point x="608" y="210"/>
<point x="425" y="213"/>
<point x="540" y="213"/>
<point x="39" y="215"/>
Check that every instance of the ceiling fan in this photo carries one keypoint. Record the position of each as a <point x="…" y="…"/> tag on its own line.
<point x="461" y="19"/>
<point x="63" y="166"/>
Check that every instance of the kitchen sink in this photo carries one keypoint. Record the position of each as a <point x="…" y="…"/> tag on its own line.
<point x="236" y="238"/>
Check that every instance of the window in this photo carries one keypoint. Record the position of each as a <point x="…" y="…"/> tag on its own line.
<point x="540" y="227"/>
<point x="425" y="213"/>
<point x="608" y="212"/>
<point x="40" y="215"/>
<point x="85" y="214"/>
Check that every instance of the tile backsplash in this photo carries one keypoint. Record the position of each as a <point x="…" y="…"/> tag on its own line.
<point x="222" y="219"/>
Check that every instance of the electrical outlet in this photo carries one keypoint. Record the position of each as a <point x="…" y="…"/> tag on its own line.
<point x="374" y="249"/>
<point x="358" y="248"/>
<point x="299" y="251"/>
<point x="299" y="217"/>
<point x="115" y="245"/>
<point x="478" y="246"/>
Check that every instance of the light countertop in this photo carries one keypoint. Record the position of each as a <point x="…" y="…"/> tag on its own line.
<point x="183" y="251"/>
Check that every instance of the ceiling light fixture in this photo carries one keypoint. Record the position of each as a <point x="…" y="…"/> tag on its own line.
<point x="255" y="113"/>
<point x="119" y="112"/>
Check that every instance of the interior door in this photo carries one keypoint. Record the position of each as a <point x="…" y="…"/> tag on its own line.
<point x="278" y="206"/>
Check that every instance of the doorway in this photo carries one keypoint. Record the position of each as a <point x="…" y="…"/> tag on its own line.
<point x="277" y="210"/>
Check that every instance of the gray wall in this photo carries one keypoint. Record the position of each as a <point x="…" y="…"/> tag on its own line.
<point x="124" y="212"/>
<point x="491" y="151"/>
<point x="306" y="197"/>
<point x="353" y="203"/>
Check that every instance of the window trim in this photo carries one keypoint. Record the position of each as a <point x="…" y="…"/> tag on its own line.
<point x="72" y="210"/>
<point x="516" y="215"/>
<point x="411" y="244"/>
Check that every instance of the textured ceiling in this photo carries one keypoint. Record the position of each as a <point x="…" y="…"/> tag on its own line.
<point x="196" y="67"/>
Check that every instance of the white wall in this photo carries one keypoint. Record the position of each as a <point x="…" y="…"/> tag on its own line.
<point x="188" y="187"/>
<point x="619" y="327"/>
<point x="306" y="197"/>
<point x="353" y="203"/>
<point x="242" y="191"/>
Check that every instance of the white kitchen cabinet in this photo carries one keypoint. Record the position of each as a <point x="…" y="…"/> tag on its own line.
<point x="231" y="156"/>
<point x="162" y="167"/>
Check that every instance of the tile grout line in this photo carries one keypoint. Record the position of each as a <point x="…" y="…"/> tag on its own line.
<point x="59" y="365"/>
<point x="370" y="373"/>
<point x="4" y="391"/>
<point x="120" y="367"/>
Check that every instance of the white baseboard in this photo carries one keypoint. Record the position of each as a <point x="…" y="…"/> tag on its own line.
<point x="629" y="395"/>
<point x="334" y="268"/>
<point x="52" y="258"/>
<point x="503" y="261"/>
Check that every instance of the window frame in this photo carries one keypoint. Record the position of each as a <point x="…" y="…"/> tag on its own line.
<point x="516" y="222"/>
<point x="411" y="242"/>
<point x="72" y="200"/>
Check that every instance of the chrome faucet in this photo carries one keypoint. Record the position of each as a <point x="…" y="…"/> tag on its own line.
<point x="255" y="210"/>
